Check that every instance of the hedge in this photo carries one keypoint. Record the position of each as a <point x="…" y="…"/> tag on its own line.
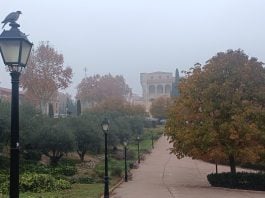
<point x="34" y="182"/>
<point x="240" y="180"/>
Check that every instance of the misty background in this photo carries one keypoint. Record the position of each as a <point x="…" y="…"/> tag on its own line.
<point x="130" y="37"/>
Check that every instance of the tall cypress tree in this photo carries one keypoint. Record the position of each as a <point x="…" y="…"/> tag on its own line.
<point x="51" y="113"/>
<point x="78" y="108"/>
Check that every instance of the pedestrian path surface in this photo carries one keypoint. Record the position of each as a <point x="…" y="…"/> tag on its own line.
<point x="162" y="175"/>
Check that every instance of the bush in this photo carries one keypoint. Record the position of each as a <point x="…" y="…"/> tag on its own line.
<point x="100" y="173"/>
<point x="116" y="171"/>
<point x="3" y="178"/>
<point x="248" y="181"/>
<point x="4" y="187"/>
<point x="130" y="154"/>
<point x="64" y="170"/>
<point x="83" y="180"/>
<point x="44" y="169"/>
<point x="41" y="183"/>
<point x="37" y="183"/>
<point x="118" y="155"/>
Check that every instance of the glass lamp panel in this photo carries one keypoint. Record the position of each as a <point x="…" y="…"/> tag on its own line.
<point x="105" y="127"/>
<point x="10" y="50"/>
<point x="26" y="48"/>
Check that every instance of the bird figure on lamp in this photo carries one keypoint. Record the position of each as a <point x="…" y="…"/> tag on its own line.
<point x="11" y="18"/>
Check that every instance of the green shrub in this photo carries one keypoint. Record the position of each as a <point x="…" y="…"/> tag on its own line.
<point x="118" y="154"/>
<point x="3" y="183"/>
<point x="4" y="187"/>
<point x="83" y="180"/>
<point x="64" y="170"/>
<point x="3" y="178"/>
<point x="130" y="154"/>
<point x="41" y="183"/>
<point x="44" y="169"/>
<point x="248" y="181"/>
<point x="116" y="171"/>
<point x="100" y="173"/>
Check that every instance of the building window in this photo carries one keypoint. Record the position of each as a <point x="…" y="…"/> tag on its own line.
<point x="159" y="89"/>
<point x="167" y="89"/>
<point x="151" y="89"/>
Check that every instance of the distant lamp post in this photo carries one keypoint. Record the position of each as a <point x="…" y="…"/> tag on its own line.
<point x="152" y="139"/>
<point x="125" y="161"/>
<point x="15" y="50"/>
<point x="138" y="145"/>
<point x="105" y="127"/>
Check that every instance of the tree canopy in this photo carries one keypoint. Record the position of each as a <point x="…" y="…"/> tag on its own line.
<point x="45" y="75"/>
<point x="159" y="107"/>
<point x="220" y="113"/>
<point x="95" y="89"/>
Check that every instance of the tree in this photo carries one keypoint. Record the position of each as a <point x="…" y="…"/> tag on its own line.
<point x="45" y="75"/>
<point x="159" y="107"/>
<point x="119" y="105"/>
<point x="86" y="132"/>
<point x="78" y="108"/>
<point x="95" y="89"/>
<point x="51" y="114"/>
<point x="54" y="139"/>
<point x="220" y="113"/>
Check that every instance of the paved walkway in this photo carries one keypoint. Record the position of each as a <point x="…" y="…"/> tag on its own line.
<point x="162" y="175"/>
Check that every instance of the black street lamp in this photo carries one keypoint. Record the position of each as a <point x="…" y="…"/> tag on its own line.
<point x="125" y="161"/>
<point x="138" y="145"/>
<point x="152" y="140"/>
<point x="15" y="50"/>
<point x="105" y="127"/>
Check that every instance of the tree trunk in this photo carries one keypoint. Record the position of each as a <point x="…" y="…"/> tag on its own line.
<point x="54" y="159"/>
<point x="232" y="163"/>
<point x="43" y="107"/>
<point x="81" y="155"/>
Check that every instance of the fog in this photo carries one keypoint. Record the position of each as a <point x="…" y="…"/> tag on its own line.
<point x="129" y="37"/>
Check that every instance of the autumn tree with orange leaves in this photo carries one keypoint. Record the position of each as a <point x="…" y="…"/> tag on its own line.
<point x="159" y="107"/>
<point x="97" y="89"/>
<point x="220" y="112"/>
<point x="45" y="75"/>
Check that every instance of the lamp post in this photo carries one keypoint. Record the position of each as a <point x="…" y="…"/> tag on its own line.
<point x="138" y="145"/>
<point x="152" y="139"/>
<point x="125" y="161"/>
<point x="105" y="128"/>
<point x="15" y="50"/>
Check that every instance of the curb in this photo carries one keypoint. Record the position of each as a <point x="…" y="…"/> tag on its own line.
<point x="113" y="187"/>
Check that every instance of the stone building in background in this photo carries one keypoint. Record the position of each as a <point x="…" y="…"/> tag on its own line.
<point x="158" y="84"/>
<point x="5" y="94"/>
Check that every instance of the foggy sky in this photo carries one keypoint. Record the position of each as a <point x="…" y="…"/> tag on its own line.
<point x="128" y="37"/>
